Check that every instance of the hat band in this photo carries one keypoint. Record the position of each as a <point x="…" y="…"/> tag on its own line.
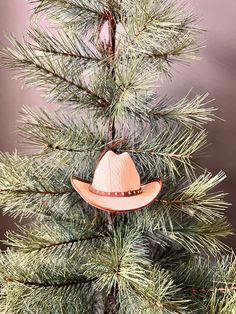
<point x="115" y="194"/>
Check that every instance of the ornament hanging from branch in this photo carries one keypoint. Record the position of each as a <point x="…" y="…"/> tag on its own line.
<point x="116" y="185"/>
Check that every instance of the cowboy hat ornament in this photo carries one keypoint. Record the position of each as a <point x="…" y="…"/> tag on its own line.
<point x="116" y="185"/>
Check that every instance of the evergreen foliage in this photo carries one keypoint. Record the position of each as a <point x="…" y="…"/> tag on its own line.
<point x="73" y="258"/>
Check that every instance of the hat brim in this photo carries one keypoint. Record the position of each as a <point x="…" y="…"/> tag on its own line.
<point x="150" y="191"/>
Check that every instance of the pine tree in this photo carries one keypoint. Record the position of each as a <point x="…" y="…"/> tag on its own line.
<point x="72" y="257"/>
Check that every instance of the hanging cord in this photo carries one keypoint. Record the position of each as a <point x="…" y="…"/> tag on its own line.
<point x="134" y="125"/>
<point x="112" y="146"/>
<point x="108" y="48"/>
<point x="110" y="51"/>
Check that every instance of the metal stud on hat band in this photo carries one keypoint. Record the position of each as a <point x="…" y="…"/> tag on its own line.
<point x="116" y="194"/>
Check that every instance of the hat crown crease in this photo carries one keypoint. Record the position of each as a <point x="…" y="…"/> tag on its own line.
<point x="116" y="173"/>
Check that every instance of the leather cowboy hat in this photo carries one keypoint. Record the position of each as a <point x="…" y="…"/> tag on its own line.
<point x="116" y="185"/>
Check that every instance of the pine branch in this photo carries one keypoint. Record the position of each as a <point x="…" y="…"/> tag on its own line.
<point x="27" y="282"/>
<point x="79" y="14"/>
<point x="157" y="30"/>
<point x="44" y="285"/>
<point x="38" y="128"/>
<point x="124" y="266"/>
<point x="208" y="280"/>
<point x="30" y="186"/>
<point x="151" y="113"/>
<point x="53" y="240"/>
<point x="225" y="304"/>
<point x="168" y="229"/>
<point x="27" y="204"/>
<point x="164" y="154"/>
<point x="155" y="290"/>
<point x="48" y="65"/>
<point x="122" y="262"/>
<point x="157" y="156"/>
<point x="189" y="112"/>
<point x="192" y="235"/>
<point x="211" y="235"/>
<point x="160" y="295"/>
<point x="179" y="52"/>
<point x="48" y="4"/>
<point x="65" y="44"/>
<point x="136" y="80"/>
<point x="195" y="199"/>
<point x="61" y="82"/>
<point x="199" y="236"/>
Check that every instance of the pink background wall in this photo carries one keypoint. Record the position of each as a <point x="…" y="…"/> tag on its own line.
<point x="215" y="74"/>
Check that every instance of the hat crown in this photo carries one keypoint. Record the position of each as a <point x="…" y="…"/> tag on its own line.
<point x="116" y="173"/>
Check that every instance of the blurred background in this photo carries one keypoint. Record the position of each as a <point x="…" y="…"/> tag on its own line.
<point x="215" y="73"/>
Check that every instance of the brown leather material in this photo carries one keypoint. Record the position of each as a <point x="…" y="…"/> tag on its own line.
<point x="115" y="194"/>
